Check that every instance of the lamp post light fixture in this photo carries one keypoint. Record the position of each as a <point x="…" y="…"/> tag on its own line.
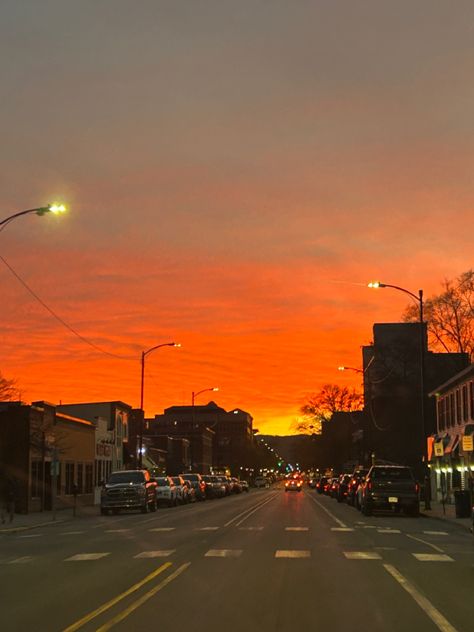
<point x="349" y="368"/>
<point x="142" y="388"/>
<point x="204" y="390"/>
<point x="56" y="209"/>
<point x="419" y="299"/>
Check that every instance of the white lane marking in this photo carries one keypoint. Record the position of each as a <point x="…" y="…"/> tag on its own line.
<point x="32" y="535"/>
<point x="296" y="529"/>
<point x="116" y="530"/>
<point x="388" y="531"/>
<point x="435" y="615"/>
<point x="224" y="553"/>
<point x="162" y="529"/>
<point x="329" y="513"/>
<point x="148" y="554"/>
<point x="293" y="553"/>
<point x="21" y="560"/>
<point x="72" y="532"/>
<point x="435" y="532"/>
<point x="360" y="522"/>
<point x="370" y="526"/>
<point x="207" y="529"/>
<point x="361" y="555"/>
<point x="83" y="557"/>
<point x="250" y="528"/>
<point x="433" y="546"/>
<point x="385" y="548"/>
<point x="248" y="513"/>
<point x="347" y="529"/>
<point x="432" y="557"/>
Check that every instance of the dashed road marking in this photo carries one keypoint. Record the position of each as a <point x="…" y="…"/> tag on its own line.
<point x="207" y="529"/>
<point x="435" y="532"/>
<point x="346" y="529"/>
<point x="21" y="560"/>
<point x="388" y="531"/>
<point x="370" y="526"/>
<point x="329" y="513"/>
<point x="433" y="546"/>
<point x="72" y="533"/>
<point x="32" y="535"/>
<point x="432" y="557"/>
<point x="148" y="554"/>
<point x="162" y="529"/>
<point x="117" y="530"/>
<point x="296" y="529"/>
<point x="293" y="554"/>
<point x="361" y="555"/>
<point x="83" y="557"/>
<point x="224" y="553"/>
<point x="250" y="528"/>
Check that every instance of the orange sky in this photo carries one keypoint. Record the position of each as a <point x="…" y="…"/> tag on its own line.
<point x="235" y="176"/>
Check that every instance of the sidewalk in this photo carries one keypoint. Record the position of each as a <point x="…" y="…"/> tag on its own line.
<point x="26" y="522"/>
<point x="449" y="515"/>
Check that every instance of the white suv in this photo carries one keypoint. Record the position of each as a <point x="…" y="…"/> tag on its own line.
<point x="166" y="491"/>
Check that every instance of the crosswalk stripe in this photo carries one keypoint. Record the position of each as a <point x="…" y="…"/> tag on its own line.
<point x="292" y="553"/>
<point x="207" y="529"/>
<point x="82" y="557"/>
<point x="432" y="557"/>
<point x="116" y="530"/>
<point x="21" y="560"/>
<point x="388" y="531"/>
<point x="250" y="528"/>
<point x="72" y="532"/>
<point x="163" y="529"/>
<point x="362" y="555"/>
<point x="296" y="529"/>
<point x="148" y="554"/>
<point x="224" y="553"/>
<point x="346" y="529"/>
<point x="32" y="535"/>
<point x="435" y="532"/>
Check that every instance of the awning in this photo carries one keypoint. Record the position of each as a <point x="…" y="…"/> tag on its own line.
<point x="452" y="445"/>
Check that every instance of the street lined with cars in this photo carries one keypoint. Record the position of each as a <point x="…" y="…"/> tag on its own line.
<point x="264" y="543"/>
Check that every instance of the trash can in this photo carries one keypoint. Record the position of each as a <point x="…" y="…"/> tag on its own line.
<point x="462" y="503"/>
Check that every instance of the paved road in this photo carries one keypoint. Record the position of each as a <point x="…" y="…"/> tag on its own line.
<point x="267" y="561"/>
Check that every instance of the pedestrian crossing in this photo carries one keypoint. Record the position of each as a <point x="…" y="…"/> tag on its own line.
<point x="289" y="554"/>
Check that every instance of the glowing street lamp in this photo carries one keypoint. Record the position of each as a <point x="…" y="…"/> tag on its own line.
<point x="204" y="390"/>
<point x="55" y="208"/>
<point x="349" y="368"/>
<point x="419" y="299"/>
<point x="142" y="387"/>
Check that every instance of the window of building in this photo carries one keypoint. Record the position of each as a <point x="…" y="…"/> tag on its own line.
<point x="458" y="406"/>
<point x="464" y="403"/>
<point x="89" y="479"/>
<point x="69" y="479"/>
<point x="452" y="411"/>
<point x="471" y="398"/>
<point x="80" y="478"/>
<point x="36" y="478"/>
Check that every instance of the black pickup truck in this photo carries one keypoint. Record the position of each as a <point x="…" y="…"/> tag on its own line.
<point x="390" y="487"/>
<point x="128" y="489"/>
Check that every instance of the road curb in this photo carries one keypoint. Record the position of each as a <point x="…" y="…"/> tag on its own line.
<point x="448" y="521"/>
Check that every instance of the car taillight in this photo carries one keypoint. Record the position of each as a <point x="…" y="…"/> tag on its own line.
<point x="417" y="488"/>
<point x="369" y="485"/>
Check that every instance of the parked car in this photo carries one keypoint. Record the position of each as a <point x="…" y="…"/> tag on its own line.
<point x="236" y="486"/>
<point x="128" y="489"/>
<point x="214" y="489"/>
<point x="245" y="486"/>
<point x="190" y="491"/>
<point x="320" y="485"/>
<point x="343" y="487"/>
<point x="312" y="483"/>
<point x="181" y="489"/>
<point x="224" y="481"/>
<point x="332" y="487"/>
<point x="166" y="492"/>
<point x="357" y="476"/>
<point x="198" y="485"/>
<point x="390" y="487"/>
<point x="261" y="481"/>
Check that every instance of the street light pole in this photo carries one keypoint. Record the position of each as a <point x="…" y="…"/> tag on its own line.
<point x="42" y="210"/>
<point x="419" y="299"/>
<point x="142" y="389"/>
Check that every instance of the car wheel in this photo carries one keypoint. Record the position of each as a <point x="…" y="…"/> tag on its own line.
<point x="153" y="506"/>
<point x="413" y="511"/>
<point x="144" y="508"/>
<point x="104" y="512"/>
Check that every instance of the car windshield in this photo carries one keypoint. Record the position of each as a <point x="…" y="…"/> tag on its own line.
<point x="126" y="477"/>
<point x="163" y="482"/>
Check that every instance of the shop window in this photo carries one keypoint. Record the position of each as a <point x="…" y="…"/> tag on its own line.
<point x="80" y="478"/>
<point x="69" y="482"/>
<point x="36" y="478"/>
<point x="89" y="479"/>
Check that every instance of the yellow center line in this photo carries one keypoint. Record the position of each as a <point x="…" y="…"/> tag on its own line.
<point x="141" y="600"/>
<point x="112" y="602"/>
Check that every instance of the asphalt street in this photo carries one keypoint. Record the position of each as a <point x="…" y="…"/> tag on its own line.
<point x="266" y="561"/>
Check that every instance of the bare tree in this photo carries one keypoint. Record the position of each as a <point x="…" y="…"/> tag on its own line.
<point x="450" y="315"/>
<point x="320" y="406"/>
<point x="7" y="389"/>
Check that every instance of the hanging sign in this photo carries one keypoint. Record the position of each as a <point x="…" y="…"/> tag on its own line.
<point x="467" y="443"/>
<point x="439" y="448"/>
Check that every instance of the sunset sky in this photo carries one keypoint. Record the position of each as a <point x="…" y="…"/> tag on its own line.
<point x="236" y="172"/>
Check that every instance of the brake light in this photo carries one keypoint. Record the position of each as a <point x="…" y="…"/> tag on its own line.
<point x="369" y="485"/>
<point x="417" y="488"/>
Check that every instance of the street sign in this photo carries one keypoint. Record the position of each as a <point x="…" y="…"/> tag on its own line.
<point x="467" y="443"/>
<point x="438" y="448"/>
